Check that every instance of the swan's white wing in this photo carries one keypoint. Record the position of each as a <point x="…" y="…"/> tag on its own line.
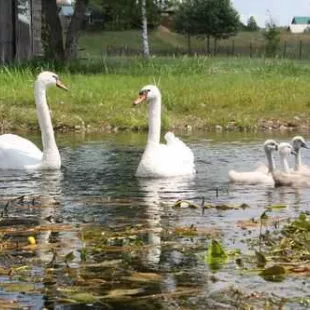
<point x="262" y="168"/>
<point x="167" y="160"/>
<point x="252" y="177"/>
<point x="177" y="146"/>
<point x="17" y="152"/>
<point x="303" y="170"/>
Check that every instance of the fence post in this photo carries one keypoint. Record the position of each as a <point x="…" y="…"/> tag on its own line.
<point x="251" y="48"/>
<point x="214" y="46"/>
<point x="300" y="49"/>
<point x="284" y="50"/>
<point x="233" y="47"/>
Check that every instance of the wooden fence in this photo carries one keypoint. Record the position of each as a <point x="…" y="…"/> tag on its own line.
<point x="287" y="50"/>
<point x="19" y="38"/>
<point x="7" y="30"/>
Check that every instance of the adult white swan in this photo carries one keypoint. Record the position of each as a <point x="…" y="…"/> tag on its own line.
<point x="162" y="160"/>
<point x="19" y="153"/>
<point x="261" y="175"/>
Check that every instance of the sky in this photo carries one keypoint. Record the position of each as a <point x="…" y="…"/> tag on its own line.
<point x="281" y="11"/>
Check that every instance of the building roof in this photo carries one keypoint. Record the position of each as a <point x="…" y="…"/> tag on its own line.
<point x="301" y="20"/>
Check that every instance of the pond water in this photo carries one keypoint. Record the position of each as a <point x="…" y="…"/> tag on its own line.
<point x="138" y="252"/>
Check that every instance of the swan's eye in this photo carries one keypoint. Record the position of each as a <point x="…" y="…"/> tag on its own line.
<point x="56" y="77"/>
<point x="144" y="92"/>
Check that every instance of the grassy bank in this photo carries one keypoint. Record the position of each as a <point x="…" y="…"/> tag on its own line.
<point x="165" y="42"/>
<point x="235" y="93"/>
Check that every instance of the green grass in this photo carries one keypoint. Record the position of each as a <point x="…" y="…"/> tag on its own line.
<point x="200" y="91"/>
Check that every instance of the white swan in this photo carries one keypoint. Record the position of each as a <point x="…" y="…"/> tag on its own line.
<point x="19" y="153"/>
<point x="162" y="160"/>
<point x="262" y="175"/>
<point x="299" y="142"/>
<point x="288" y="177"/>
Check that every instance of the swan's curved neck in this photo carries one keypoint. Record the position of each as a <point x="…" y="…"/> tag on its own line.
<point x="297" y="160"/>
<point x="154" y="120"/>
<point x="50" y="150"/>
<point x="271" y="163"/>
<point x="284" y="164"/>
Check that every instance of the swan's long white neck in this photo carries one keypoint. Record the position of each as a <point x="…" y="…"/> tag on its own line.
<point x="297" y="160"/>
<point x="51" y="156"/>
<point x="154" y="120"/>
<point x="270" y="160"/>
<point x="284" y="164"/>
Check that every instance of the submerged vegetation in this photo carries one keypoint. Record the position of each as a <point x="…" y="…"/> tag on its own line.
<point x="198" y="92"/>
<point x="112" y="265"/>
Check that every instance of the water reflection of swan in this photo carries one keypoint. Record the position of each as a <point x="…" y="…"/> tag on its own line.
<point x="19" y="153"/>
<point x="162" y="160"/>
<point x="155" y="192"/>
<point x="49" y="190"/>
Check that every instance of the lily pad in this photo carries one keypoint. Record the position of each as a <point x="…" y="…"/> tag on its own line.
<point x="274" y="273"/>
<point x="276" y="207"/>
<point x="216" y="256"/>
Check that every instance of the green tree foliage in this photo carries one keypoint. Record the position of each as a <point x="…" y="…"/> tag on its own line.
<point x="272" y="39"/>
<point x="183" y="22"/>
<point x="126" y="14"/>
<point x="251" y="24"/>
<point x="207" y="18"/>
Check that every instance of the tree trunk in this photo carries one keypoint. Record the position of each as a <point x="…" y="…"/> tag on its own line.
<point x="145" y="40"/>
<point x="51" y="31"/>
<point x="189" y="45"/>
<point x="71" y="49"/>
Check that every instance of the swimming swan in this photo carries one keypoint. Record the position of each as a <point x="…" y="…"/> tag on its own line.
<point x="262" y="175"/>
<point x="299" y="142"/>
<point x="162" y="160"/>
<point x="288" y="177"/>
<point x="19" y="153"/>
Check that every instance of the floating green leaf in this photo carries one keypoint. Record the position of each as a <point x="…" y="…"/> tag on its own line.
<point x="260" y="259"/>
<point x="216" y="256"/>
<point x="276" y="207"/>
<point x="275" y="273"/>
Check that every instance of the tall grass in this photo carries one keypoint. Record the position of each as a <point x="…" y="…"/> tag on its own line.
<point x="200" y="91"/>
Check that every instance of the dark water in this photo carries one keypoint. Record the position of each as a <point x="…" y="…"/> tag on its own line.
<point x="97" y="187"/>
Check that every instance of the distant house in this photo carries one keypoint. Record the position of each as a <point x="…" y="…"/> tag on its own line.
<point x="300" y="24"/>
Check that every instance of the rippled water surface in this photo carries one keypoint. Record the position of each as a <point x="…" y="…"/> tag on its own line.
<point x="96" y="188"/>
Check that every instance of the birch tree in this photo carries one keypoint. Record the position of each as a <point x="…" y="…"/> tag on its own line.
<point x="145" y="39"/>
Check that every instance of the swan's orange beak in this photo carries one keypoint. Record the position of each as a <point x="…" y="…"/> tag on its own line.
<point x="142" y="97"/>
<point x="61" y="85"/>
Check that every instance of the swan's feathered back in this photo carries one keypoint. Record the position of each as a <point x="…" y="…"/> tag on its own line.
<point x="290" y="179"/>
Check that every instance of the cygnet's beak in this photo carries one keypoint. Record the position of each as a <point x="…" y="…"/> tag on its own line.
<point x="61" y="85"/>
<point x="293" y="152"/>
<point x="142" y="97"/>
<point x="304" y="145"/>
